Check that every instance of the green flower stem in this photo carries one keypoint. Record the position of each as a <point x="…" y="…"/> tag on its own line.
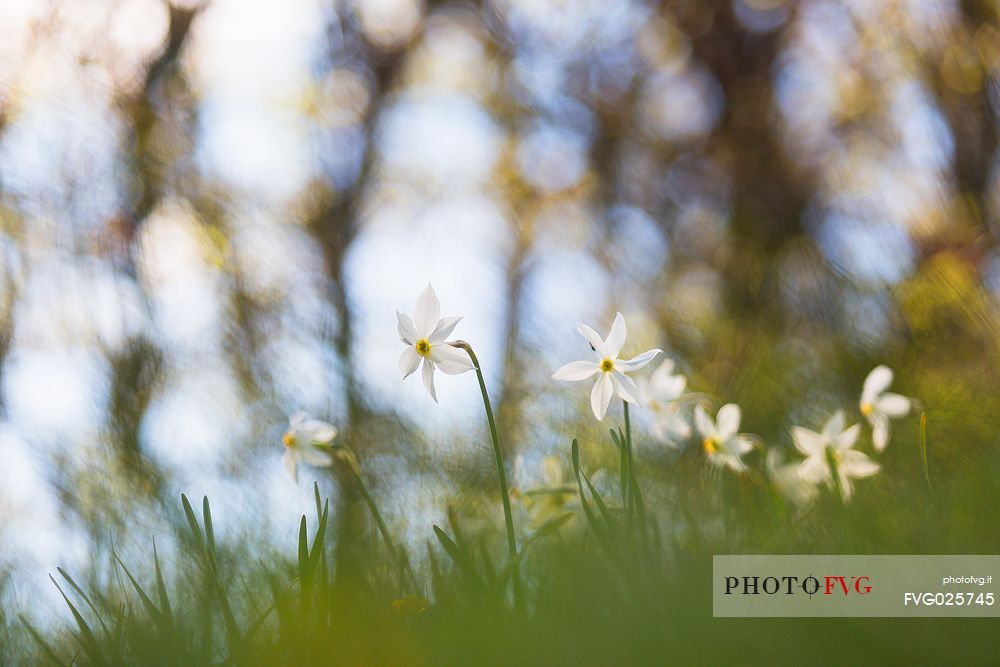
<point x="831" y="460"/>
<point x="501" y="472"/>
<point x="397" y="553"/>
<point x="630" y="495"/>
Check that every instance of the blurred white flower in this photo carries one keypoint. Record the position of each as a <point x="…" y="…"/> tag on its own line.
<point x="660" y="393"/>
<point x="787" y="481"/>
<point x="833" y="442"/>
<point x="302" y="439"/>
<point x="547" y="497"/>
<point x="424" y="337"/>
<point x="608" y="367"/>
<point x="723" y="445"/>
<point x="879" y="406"/>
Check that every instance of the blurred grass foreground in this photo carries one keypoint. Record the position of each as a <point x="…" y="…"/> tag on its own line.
<point x="218" y="224"/>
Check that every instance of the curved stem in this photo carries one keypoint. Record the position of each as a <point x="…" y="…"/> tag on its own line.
<point x="501" y="471"/>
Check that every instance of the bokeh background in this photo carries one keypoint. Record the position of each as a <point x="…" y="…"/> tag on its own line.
<point x="210" y="212"/>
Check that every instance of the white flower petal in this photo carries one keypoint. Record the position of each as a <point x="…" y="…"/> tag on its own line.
<point x="298" y="418"/>
<point x="314" y="457"/>
<point x="728" y="421"/>
<point x="594" y="339"/>
<point x="663" y="372"/>
<point x="704" y="423"/>
<point x="808" y="442"/>
<point x="290" y="461"/>
<point x="316" y="431"/>
<point x="428" y="312"/>
<point x="734" y="462"/>
<point x="428" y="375"/>
<point x="625" y="387"/>
<point x="669" y="389"/>
<point x="773" y="459"/>
<point x="443" y="329"/>
<point x="846" y="488"/>
<point x="450" y="360"/>
<point x="616" y="339"/>
<point x="893" y="405"/>
<point x="834" y="425"/>
<point x="814" y="469"/>
<point x="408" y="362"/>
<point x="857" y="464"/>
<point x="678" y="427"/>
<point x="846" y="439"/>
<point x="637" y="362"/>
<point x="576" y="371"/>
<point x="404" y="325"/>
<point x="880" y="431"/>
<point x="670" y="425"/>
<point x="877" y="381"/>
<point x="600" y="396"/>
<point x="739" y="445"/>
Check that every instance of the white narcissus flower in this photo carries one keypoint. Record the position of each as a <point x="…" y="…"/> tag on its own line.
<point x="608" y="367"/>
<point x="787" y="481"/>
<point x="879" y="406"/>
<point x="302" y="439"/>
<point x="723" y="445"/>
<point x="833" y="442"/>
<point x="660" y="393"/>
<point x="424" y="337"/>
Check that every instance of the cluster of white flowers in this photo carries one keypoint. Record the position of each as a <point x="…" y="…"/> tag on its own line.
<point x="830" y="456"/>
<point x="662" y="393"/>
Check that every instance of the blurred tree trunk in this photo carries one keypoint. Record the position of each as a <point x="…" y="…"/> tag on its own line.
<point x="136" y="368"/>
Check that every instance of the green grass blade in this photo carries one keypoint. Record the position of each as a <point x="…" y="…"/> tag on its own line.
<point x="86" y="598"/>
<point x="618" y="442"/>
<point x="601" y="506"/>
<point x="623" y="476"/>
<point x="923" y="449"/>
<point x="193" y="523"/>
<point x="303" y="551"/>
<point x="50" y="652"/>
<point x="146" y="601"/>
<point x="319" y="505"/>
<point x="318" y="540"/>
<point x="489" y="570"/>
<point x="161" y="591"/>
<point x="206" y="511"/>
<point x="460" y="558"/>
<point x="587" y="511"/>
<point x="206" y="543"/>
<point x="456" y="529"/>
<point x="87" y="639"/>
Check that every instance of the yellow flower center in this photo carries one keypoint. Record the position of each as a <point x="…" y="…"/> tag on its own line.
<point x="711" y="445"/>
<point x="607" y="365"/>
<point x="866" y="409"/>
<point x="288" y="439"/>
<point x="423" y="347"/>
